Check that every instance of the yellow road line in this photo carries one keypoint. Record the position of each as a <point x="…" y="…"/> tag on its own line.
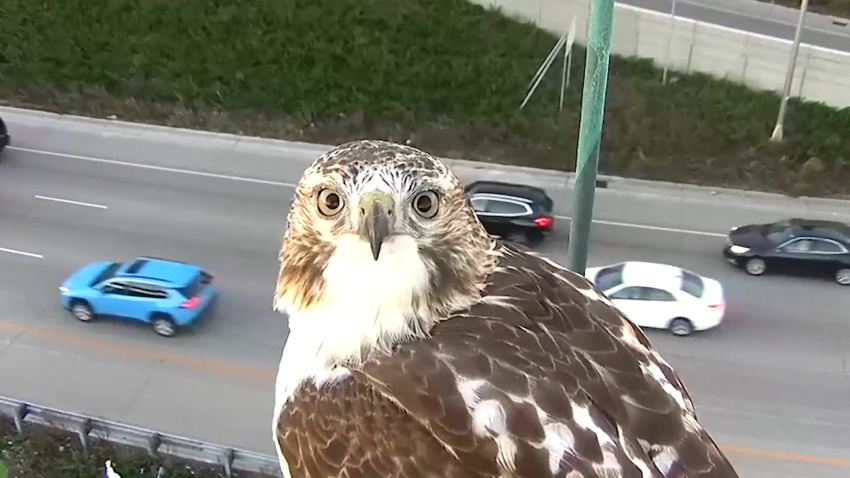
<point x="225" y="368"/>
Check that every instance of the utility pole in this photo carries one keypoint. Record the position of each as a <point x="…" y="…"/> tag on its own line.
<point x="789" y="75"/>
<point x="590" y="130"/>
<point x="670" y="24"/>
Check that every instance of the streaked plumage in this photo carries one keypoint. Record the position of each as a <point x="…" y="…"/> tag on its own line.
<point x="452" y="354"/>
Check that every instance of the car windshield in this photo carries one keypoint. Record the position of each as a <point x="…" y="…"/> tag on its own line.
<point x="191" y="290"/>
<point x="779" y="232"/>
<point x="692" y="284"/>
<point x="107" y="273"/>
<point x="609" y="277"/>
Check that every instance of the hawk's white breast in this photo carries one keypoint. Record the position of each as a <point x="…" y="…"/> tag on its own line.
<point x="367" y="304"/>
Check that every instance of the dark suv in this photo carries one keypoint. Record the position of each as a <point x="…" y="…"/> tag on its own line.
<point x="4" y="135"/>
<point x="514" y="212"/>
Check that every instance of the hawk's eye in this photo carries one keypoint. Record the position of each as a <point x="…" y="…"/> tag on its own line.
<point x="330" y="204"/>
<point x="426" y="204"/>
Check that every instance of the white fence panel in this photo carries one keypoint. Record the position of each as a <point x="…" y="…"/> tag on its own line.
<point x="756" y="60"/>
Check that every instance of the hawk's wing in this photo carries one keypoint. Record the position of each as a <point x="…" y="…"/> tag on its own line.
<point x="543" y="377"/>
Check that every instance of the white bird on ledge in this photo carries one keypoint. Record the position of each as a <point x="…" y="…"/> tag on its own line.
<point x="110" y="472"/>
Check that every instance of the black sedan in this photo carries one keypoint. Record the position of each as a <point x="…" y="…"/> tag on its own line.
<point x="792" y="246"/>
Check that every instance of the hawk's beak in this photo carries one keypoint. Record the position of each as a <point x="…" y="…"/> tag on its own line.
<point x="377" y="211"/>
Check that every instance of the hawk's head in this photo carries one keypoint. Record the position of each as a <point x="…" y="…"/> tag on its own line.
<point x="379" y="220"/>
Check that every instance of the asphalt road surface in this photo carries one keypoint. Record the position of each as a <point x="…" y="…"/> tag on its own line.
<point x="771" y="383"/>
<point x="758" y="17"/>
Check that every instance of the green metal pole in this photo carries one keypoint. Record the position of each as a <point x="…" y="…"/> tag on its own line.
<point x="590" y="130"/>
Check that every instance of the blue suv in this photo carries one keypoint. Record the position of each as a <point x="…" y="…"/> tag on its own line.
<point x="165" y="294"/>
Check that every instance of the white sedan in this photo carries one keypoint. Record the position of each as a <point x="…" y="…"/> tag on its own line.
<point x="661" y="296"/>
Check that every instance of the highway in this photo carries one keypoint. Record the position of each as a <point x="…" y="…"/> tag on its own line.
<point x="757" y="17"/>
<point x="771" y="383"/>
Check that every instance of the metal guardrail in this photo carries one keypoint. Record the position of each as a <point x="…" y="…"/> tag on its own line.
<point x="230" y="459"/>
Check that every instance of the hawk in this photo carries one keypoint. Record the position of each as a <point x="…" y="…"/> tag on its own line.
<point x="421" y="346"/>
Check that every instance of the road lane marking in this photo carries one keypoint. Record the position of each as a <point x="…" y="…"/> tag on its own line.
<point x="224" y="368"/>
<point x="746" y="32"/>
<point x="153" y="168"/>
<point x="743" y="450"/>
<point x="21" y="253"/>
<point x="650" y="228"/>
<point x="778" y="21"/>
<point x="753" y="413"/>
<point x="69" y="201"/>
<point x="88" y="343"/>
<point x="291" y="185"/>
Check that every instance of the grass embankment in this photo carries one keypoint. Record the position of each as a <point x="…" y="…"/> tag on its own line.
<point x="47" y="453"/>
<point x="445" y="74"/>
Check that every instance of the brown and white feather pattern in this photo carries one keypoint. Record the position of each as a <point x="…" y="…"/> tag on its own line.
<point x="542" y="377"/>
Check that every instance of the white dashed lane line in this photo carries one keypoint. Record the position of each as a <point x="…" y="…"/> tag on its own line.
<point x="21" y="253"/>
<point x="164" y="169"/>
<point x="71" y="202"/>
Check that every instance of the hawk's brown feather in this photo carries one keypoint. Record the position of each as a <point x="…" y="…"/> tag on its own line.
<point x="545" y="347"/>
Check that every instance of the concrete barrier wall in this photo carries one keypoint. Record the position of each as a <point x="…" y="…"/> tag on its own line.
<point x="756" y="60"/>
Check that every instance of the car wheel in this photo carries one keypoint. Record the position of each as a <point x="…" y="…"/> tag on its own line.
<point x="164" y="326"/>
<point x="755" y="267"/>
<point x="681" y="327"/>
<point x="843" y="277"/>
<point x="520" y="238"/>
<point x="82" y="311"/>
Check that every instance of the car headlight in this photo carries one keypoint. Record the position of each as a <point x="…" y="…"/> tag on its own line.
<point x="63" y="290"/>
<point x="738" y="249"/>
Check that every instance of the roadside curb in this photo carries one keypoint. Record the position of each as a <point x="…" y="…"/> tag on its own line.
<point x="547" y="179"/>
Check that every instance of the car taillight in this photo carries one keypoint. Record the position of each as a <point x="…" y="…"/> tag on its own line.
<point x="544" y="221"/>
<point x="191" y="303"/>
<point x="717" y="307"/>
